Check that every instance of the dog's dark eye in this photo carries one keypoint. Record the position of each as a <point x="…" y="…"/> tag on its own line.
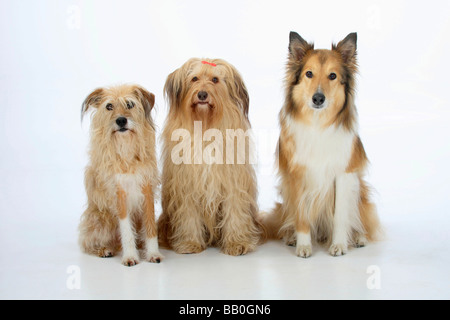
<point x="130" y="105"/>
<point x="215" y="80"/>
<point x="109" y="106"/>
<point x="309" y="74"/>
<point x="194" y="79"/>
<point x="332" y="76"/>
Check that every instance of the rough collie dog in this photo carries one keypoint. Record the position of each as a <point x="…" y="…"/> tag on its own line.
<point x="122" y="175"/>
<point x="321" y="157"/>
<point x="209" y="195"/>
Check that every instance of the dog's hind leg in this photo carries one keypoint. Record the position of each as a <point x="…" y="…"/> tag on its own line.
<point x="372" y="230"/>
<point x="98" y="233"/>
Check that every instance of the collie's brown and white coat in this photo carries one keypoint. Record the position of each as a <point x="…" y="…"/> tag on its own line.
<point x="321" y="158"/>
<point x="121" y="177"/>
<point x="207" y="204"/>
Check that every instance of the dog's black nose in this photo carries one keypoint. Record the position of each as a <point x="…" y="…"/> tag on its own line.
<point x="202" y="95"/>
<point x="318" y="99"/>
<point x="121" y="122"/>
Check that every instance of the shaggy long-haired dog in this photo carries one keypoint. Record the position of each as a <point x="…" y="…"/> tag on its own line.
<point x="210" y="197"/>
<point x="122" y="175"/>
<point x="321" y="158"/>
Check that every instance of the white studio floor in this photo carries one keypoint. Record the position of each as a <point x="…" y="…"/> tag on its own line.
<point x="41" y="260"/>
<point x="397" y="268"/>
<point x="54" y="53"/>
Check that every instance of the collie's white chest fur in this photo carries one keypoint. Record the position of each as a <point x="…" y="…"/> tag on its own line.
<point x="325" y="152"/>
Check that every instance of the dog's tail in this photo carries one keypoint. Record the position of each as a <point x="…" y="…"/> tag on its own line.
<point x="271" y="222"/>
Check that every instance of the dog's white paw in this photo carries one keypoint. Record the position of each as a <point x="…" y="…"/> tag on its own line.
<point x="303" y="251"/>
<point x="130" y="261"/>
<point x="361" y="241"/>
<point x="154" y="257"/>
<point x="337" y="250"/>
<point x="303" y="247"/>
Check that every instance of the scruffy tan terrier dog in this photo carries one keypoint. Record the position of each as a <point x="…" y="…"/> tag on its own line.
<point x="209" y="194"/>
<point x="121" y="177"/>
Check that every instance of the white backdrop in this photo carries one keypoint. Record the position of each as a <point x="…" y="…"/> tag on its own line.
<point x="54" y="53"/>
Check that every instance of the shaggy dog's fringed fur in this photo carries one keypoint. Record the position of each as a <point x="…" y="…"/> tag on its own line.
<point x="121" y="177"/>
<point x="207" y="204"/>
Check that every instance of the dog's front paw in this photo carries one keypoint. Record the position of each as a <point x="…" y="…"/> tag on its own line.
<point x="105" y="253"/>
<point x="154" y="257"/>
<point x="291" y="241"/>
<point x="188" y="248"/>
<point x="360" y="241"/>
<point x="130" y="261"/>
<point x="337" y="250"/>
<point x="303" y="251"/>
<point x="236" y="249"/>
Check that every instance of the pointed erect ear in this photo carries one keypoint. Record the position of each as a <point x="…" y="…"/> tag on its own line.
<point x="92" y="100"/>
<point x="298" y="47"/>
<point x="146" y="98"/>
<point x="347" y="48"/>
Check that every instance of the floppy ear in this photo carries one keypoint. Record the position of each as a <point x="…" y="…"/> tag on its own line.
<point x="236" y="87"/>
<point x="240" y="91"/>
<point x="147" y="100"/>
<point x="347" y="48"/>
<point x="92" y="100"/>
<point x="298" y="47"/>
<point x="173" y="88"/>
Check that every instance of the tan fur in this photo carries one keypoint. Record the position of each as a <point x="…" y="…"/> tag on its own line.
<point x="207" y="204"/>
<point x="149" y="212"/>
<point x="114" y="154"/>
<point x="358" y="160"/>
<point x="303" y="208"/>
